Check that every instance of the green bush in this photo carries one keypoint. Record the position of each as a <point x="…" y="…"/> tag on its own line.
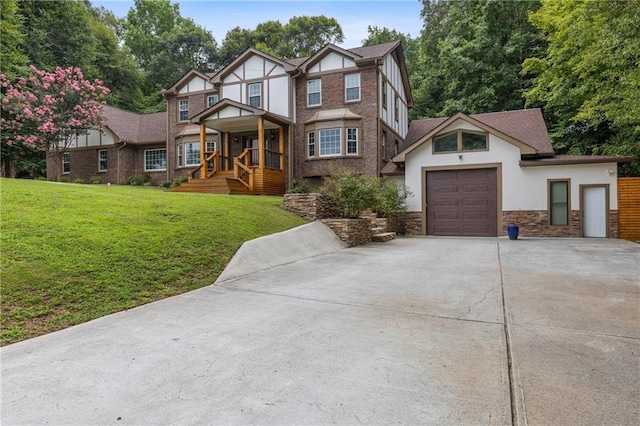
<point x="64" y="179"/>
<point x="355" y="193"/>
<point x="139" y="180"/>
<point x="390" y="198"/>
<point x="78" y="180"/>
<point x="300" y="187"/>
<point x="166" y="184"/>
<point x="179" y="180"/>
<point x="352" y="192"/>
<point x="96" y="180"/>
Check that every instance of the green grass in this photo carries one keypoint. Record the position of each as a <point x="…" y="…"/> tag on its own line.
<point x="72" y="253"/>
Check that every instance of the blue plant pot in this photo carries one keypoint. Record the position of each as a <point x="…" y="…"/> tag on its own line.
<point x="513" y="231"/>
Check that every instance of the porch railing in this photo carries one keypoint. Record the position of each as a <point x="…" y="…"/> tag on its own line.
<point x="212" y="162"/>
<point x="242" y="169"/>
<point x="273" y="159"/>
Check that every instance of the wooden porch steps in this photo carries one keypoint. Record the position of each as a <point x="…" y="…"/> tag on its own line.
<point x="220" y="183"/>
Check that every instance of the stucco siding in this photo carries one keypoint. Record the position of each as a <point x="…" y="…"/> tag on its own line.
<point x="523" y="188"/>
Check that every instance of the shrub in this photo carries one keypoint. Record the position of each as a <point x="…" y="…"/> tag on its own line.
<point x="390" y="198"/>
<point x="179" y="180"/>
<point x="166" y="184"/>
<point x="139" y="179"/>
<point x="64" y="179"/>
<point x="78" y="180"/>
<point x="355" y="193"/>
<point x="95" y="180"/>
<point x="352" y="192"/>
<point x="300" y="187"/>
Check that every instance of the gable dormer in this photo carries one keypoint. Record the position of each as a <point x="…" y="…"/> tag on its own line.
<point x="259" y="80"/>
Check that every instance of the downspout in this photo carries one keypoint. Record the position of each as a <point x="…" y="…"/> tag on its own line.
<point x="118" y="168"/>
<point x="167" y="145"/>
<point x="293" y="106"/>
<point x="379" y="78"/>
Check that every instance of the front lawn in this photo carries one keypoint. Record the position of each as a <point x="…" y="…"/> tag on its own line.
<point x="72" y="253"/>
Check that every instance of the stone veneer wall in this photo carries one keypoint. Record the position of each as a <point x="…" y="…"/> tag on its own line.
<point x="532" y="223"/>
<point x="410" y="223"/>
<point x="354" y="232"/>
<point x="310" y="206"/>
<point x="535" y="223"/>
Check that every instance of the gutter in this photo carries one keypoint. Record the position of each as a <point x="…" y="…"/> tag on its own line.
<point x="118" y="168"/>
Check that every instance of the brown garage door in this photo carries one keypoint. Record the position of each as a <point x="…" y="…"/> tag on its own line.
<point x="462" y="202"/>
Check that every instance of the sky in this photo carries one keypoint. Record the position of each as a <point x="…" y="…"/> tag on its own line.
<point x="353" y="15"/>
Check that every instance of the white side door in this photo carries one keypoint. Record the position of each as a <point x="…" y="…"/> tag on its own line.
<point x="594" y="214"/>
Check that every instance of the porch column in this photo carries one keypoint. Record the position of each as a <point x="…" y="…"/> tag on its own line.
<point x="203" y="148"/>
<point x="260" y="143"/>
<point x="281" y="147"/>
<point x="225" y="149"/>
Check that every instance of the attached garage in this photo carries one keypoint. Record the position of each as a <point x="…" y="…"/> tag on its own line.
<point x="462" y="202"/>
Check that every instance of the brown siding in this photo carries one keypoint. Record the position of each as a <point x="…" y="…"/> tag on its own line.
<point x="629" y="208"/>
<point x="268" y="182"/>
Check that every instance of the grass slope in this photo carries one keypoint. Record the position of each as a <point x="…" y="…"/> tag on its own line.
<point x="72" y="253"/>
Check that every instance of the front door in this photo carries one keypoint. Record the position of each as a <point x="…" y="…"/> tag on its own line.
<point x="594" y="211"/>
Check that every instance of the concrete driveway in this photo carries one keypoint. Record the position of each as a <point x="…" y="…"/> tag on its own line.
<point x="412" y="332"/>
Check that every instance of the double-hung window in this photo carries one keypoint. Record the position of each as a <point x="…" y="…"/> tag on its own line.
<point x="559" y="202"/>
<point x="155" y="159"/>
<point x="396" y="108"/>
<point x="352" y="141"/>
<point x="66" y="163"/>
<point x="314" y="92"/>
<point x="102" y="160"/>
<point x="255" y="95"/>
<point x="183" y="110"/>
<point x="330" y="142"/>
<point x="384" y="94"/>
<point x="352" y="87"/>
<point x="179" y="155"/>
<point x="192" y="154"/>
<point x="311" y="144"/>
<point x="212" y="100"/>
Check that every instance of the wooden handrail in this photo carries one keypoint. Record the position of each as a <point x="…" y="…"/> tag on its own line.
<point x="196" y="173"/>
<point x="242" y="171"/>
<point x="212" y="157"/>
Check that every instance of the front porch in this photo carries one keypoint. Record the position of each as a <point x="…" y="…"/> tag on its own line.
<point x="250" y="156"/>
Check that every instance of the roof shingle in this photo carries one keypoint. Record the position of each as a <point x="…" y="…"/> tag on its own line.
<point x="135" y="128"/>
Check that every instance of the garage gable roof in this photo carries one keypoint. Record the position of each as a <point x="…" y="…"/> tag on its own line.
<point x="524" y="128"/>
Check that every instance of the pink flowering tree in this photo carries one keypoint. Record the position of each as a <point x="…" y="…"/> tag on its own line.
<point x="46" y="110"/>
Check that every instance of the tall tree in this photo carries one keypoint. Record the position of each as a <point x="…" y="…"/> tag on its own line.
<point x="12" y="56"/>
<point x="589" y="80"/>
<point x="301" y="36"/>
<point x="165" y="44"/>
<point x="59" y="34"/>
<point x="472" y="54"/>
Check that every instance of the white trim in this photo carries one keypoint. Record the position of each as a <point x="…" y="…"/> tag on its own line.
<point x="145" y="160"/>
<point x="346" y="87"/>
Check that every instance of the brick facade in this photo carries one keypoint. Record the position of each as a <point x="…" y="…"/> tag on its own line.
<point x="333" y="97"/>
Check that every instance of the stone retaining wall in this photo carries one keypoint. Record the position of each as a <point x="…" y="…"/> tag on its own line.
<point x="310" y="206"/>
<point x="354" y="232"/>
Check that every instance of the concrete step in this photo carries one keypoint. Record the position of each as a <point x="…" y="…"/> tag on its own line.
<point x="383" y="237"/>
